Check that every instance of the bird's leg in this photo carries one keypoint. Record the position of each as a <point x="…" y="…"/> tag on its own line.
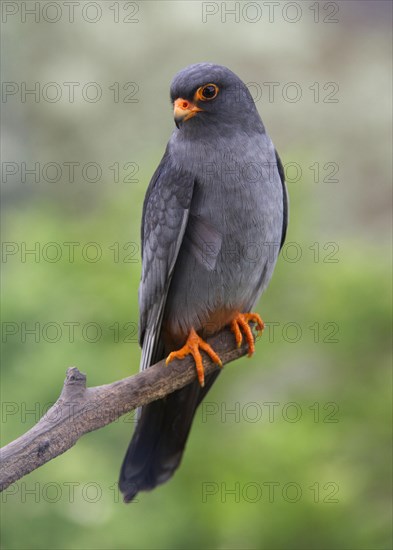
<point x="240" y="323"/>
<point x="191" y="347"/>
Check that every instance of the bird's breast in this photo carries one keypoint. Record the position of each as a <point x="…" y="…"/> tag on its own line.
<point x="232" y="237"/>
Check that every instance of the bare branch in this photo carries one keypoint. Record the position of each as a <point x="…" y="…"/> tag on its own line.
<point x="80" y="410"/>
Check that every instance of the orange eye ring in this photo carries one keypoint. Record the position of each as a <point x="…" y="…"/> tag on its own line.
<point x="207" y="92"/>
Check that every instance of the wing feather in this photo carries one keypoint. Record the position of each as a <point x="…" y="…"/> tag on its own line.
<point x="164" y="221"/>
<point x="281" y="171"/>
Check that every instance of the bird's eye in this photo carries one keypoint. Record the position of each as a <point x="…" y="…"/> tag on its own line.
<point x="207" y="92"/>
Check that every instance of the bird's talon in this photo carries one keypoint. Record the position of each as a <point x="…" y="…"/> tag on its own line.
<point x="191" y="347"/>
<point x="241" y="323"/>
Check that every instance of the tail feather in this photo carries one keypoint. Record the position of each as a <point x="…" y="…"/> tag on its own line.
<point x="160" y="436"/>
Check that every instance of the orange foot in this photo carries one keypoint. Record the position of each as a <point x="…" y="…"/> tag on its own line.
<point x="192" y="346"/>
<point x="241" y="322"/>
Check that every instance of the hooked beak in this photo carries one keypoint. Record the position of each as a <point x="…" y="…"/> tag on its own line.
<point x="184" y="110"/>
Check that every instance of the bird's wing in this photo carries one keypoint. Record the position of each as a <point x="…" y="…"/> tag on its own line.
<point x="164" y="220"/>
<point x="280" y="168"/>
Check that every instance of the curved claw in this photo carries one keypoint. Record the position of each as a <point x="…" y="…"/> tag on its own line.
<point x="241" y="323"/>
<point x="191" y="347"/>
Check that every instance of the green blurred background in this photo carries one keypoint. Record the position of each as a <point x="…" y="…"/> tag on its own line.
<point x="291" y="449"/>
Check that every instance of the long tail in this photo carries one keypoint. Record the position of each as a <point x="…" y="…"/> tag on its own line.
<point x="159" y="439"/>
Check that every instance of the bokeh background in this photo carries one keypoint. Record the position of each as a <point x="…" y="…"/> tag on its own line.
<point x="291" y="449"/>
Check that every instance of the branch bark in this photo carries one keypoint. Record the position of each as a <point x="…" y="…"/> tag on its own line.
<point x="80" y="410"/>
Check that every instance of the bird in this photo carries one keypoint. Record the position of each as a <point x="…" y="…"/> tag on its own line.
<point x="214" y="219"/>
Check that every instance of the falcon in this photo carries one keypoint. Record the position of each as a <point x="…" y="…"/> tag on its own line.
<point x="214" y="220"/>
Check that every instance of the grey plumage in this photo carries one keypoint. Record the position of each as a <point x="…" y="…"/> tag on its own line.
<point x="214" y="219"/>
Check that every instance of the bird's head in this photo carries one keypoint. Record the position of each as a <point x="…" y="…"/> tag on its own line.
<point x="207" y="97"/>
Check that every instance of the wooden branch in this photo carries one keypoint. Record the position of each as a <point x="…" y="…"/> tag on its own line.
<point x="80" y="410"/>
